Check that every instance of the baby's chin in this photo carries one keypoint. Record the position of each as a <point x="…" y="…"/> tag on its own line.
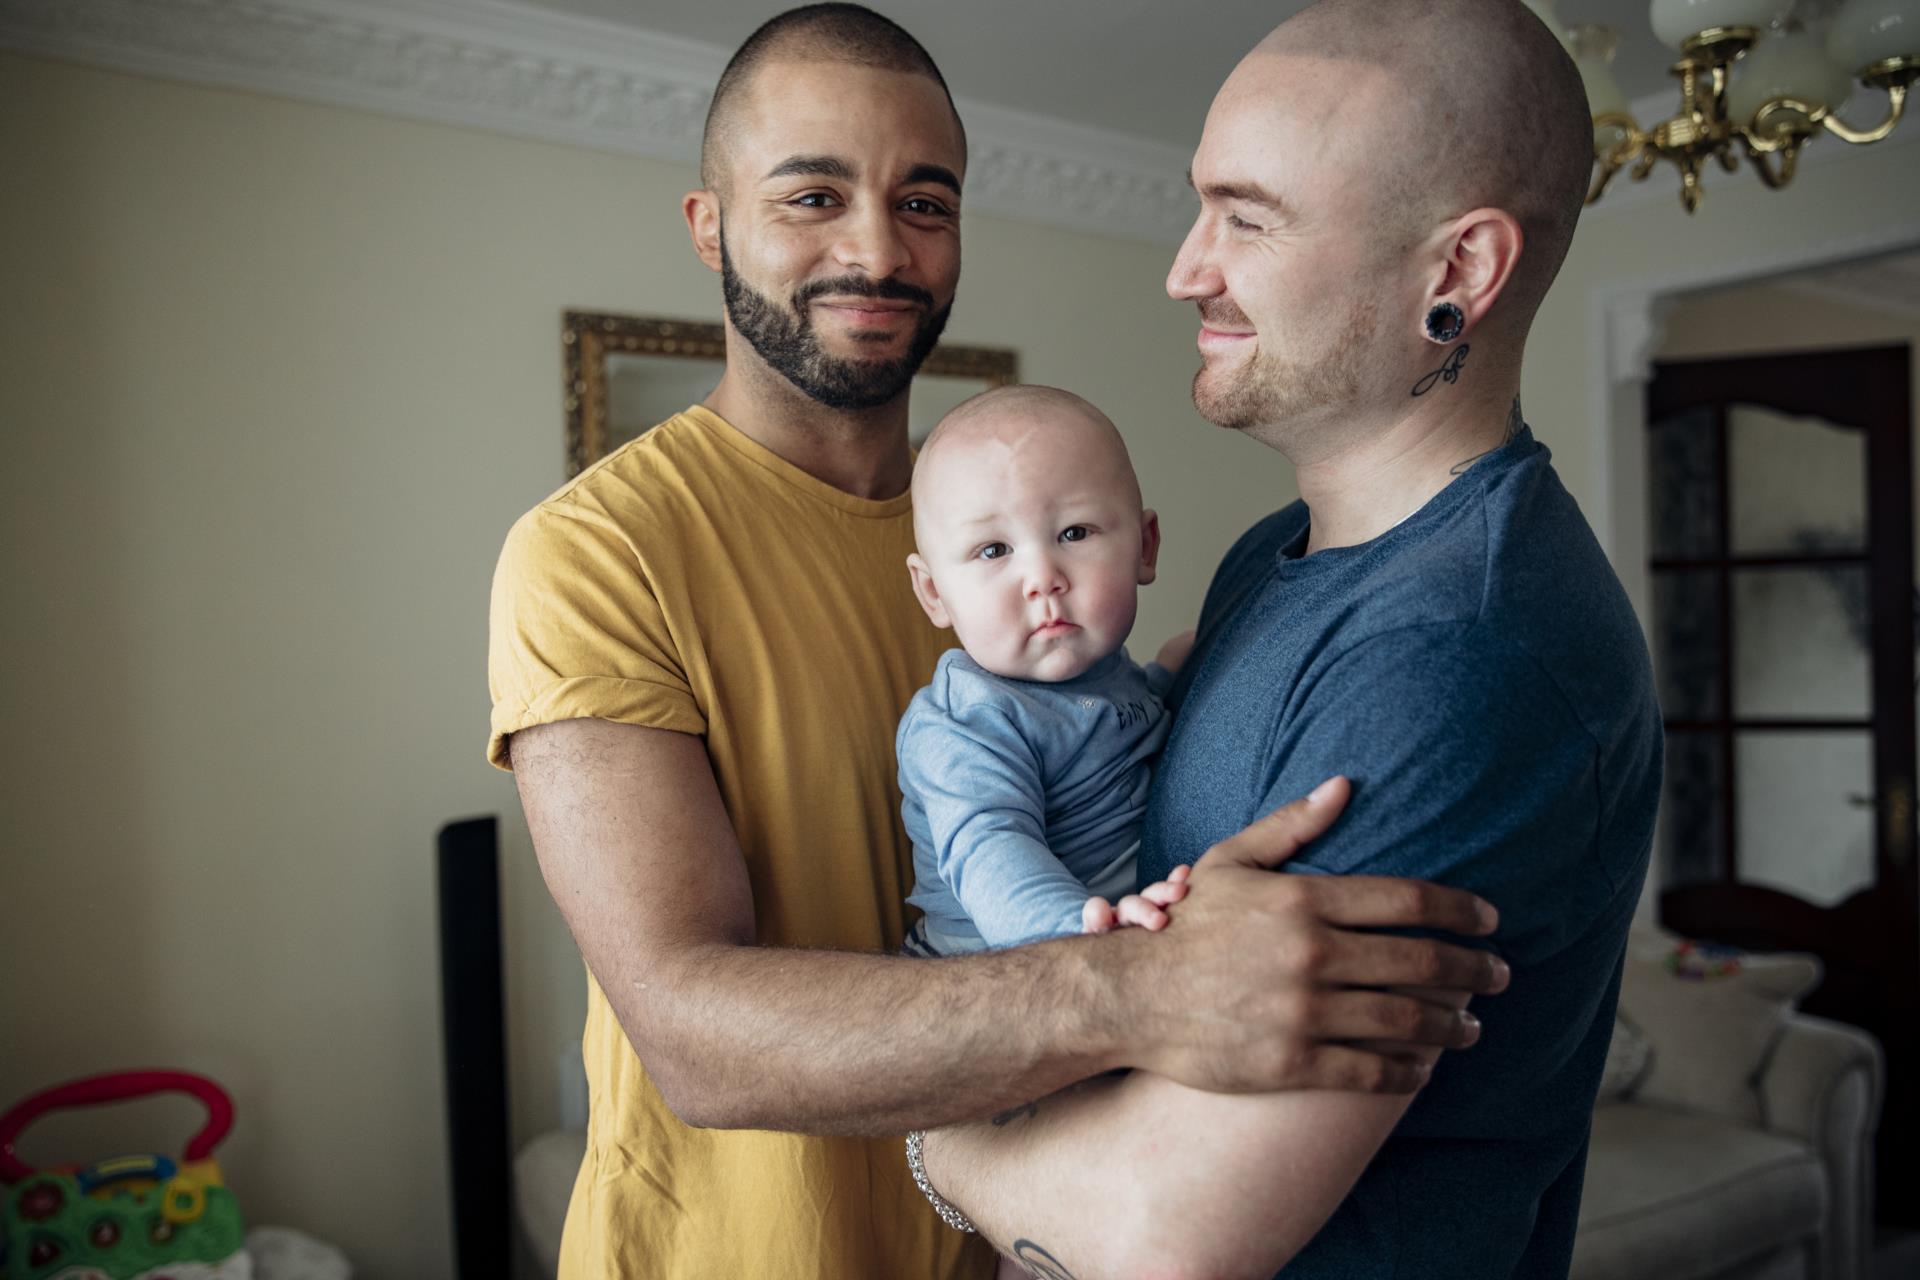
<point x="1053" y="667"/>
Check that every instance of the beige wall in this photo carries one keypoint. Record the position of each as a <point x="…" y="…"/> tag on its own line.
<point x="274" y="379"/>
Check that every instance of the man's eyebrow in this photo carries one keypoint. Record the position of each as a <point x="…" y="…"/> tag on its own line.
<point x="934" y="173"/>
<point x="1252" y="192"/>
<point x="813" y="167"/>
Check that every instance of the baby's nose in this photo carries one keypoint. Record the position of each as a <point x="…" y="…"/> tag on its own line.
<point x="1045" y="579"/>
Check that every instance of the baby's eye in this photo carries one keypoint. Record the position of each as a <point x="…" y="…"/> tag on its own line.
<point x="993" y="551"/>
<point x="1074" y="533"/>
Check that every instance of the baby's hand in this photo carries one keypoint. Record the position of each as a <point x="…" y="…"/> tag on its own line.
<point x="1174" y="652"/>
<point x="1142" y="909"/>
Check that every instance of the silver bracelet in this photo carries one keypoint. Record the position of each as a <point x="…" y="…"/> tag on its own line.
<point x="917" y="1165"/>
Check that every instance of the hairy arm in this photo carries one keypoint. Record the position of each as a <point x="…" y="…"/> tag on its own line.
<point x="638" y="853"/>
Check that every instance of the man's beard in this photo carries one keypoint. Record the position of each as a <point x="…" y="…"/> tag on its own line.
<point x="786" y="340"/>
<point x="1270" y="390"/>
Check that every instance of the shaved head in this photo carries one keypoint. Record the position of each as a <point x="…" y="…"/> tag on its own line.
<point x="1473" y="104"/>
<point x="847" y="33"/>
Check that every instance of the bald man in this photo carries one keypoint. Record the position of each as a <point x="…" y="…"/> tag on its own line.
<point x="1387" y="188"/>
<point x="700" y="649"/>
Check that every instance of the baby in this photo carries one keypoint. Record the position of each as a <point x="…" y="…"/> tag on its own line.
<point x="1024" y="764"/>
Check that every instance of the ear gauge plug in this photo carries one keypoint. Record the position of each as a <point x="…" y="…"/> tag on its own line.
<point x="1444" y="323"/>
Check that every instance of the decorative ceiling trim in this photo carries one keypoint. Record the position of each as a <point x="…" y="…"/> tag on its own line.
<point x="533" y="73"/>
<point x="498" y="66"/>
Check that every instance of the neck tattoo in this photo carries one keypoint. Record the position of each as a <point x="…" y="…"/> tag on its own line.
<point x="1514" y="424"/>
<point x="1448" y="372"/>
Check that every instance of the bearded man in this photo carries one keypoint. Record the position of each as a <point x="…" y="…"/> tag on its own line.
<point x="700" y="649"/>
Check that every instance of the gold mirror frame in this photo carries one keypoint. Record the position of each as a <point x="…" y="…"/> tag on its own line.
<point x="587" y="338"/>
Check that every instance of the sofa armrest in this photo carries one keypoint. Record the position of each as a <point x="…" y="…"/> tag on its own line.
<point x="1822" y="1084"/>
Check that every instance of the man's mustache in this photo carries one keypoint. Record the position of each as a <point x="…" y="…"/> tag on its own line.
<point x="1218" y="313"/>
<point x="861" y="287"/>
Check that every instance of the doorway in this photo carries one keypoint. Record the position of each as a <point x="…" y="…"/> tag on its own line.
<point x="1781" y="571"/>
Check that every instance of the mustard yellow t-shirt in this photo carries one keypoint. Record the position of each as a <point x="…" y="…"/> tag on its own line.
<point x="694" y="581"/>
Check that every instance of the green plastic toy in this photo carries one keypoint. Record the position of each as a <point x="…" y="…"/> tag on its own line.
<point x="142" y="1217"/>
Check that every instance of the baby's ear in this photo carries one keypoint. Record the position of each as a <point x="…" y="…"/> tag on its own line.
<point x="1149" y="544"/>
<point x="926" y="592"/>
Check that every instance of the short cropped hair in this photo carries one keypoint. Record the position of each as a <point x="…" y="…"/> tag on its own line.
<point x="849" y="33"/>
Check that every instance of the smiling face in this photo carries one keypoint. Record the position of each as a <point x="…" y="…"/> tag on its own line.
<point x="837" y="233"/>
<point x="1292" y="262"/>
<point x="1032" y="540"/>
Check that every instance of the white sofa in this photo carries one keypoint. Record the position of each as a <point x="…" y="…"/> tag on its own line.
<point x="1683" y="1194"/>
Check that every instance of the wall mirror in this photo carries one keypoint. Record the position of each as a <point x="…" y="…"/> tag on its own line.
<point x="626" y="373"/>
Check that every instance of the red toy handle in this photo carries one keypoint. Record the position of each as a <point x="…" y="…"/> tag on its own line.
<point x="117" y="1086"/>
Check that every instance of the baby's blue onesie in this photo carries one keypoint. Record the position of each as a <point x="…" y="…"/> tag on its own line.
<point x="1024" y="798"/>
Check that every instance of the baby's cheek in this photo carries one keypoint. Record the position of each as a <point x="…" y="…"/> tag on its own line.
<point x="1119" y="608"/>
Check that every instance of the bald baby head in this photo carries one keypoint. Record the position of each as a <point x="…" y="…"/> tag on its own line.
<point x="1032" y="544"/>
<point x="1454" y="105"/>
<point x="847" y="33"/>
<point x="1042" y="423"/>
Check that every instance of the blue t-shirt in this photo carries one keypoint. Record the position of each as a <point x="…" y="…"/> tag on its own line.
<point x="1023" y="797"/>
<point x="1479" y="675"/>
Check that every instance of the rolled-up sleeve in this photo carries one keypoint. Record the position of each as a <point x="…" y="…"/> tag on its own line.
<point x="576" y="630"/>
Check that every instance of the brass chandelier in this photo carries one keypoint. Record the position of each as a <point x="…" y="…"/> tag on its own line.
<point x="1759" y="77"/>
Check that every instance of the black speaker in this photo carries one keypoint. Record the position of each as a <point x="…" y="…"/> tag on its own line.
<point x="474" y="1026"/>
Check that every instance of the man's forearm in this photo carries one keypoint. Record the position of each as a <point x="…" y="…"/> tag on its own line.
<point x="1142" y="1177"/>
<point x="1249" y="989"/>
<point x="1039" y="1183"/>
<point x="836" y="1042"/>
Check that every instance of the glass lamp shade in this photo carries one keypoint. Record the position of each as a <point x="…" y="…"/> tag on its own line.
<point x="1674" y="21"/>
<point x="1785" y="64"/>
<point x="1870" y="31"/>
<point x="1593" y="49"/>
<point x="1543" y="10"/>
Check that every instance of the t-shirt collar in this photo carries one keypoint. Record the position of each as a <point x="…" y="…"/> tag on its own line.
<point x="1437" y="508"/>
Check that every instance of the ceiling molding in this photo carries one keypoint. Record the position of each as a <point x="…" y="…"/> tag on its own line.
<point x="535" y="73"/>
<point x="530" y="73"/>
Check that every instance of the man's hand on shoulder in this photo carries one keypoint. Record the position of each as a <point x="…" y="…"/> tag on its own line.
<point x="1266" y="981"/>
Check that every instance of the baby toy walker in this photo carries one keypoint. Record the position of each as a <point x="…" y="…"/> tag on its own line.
<point x="143" y="1217"/>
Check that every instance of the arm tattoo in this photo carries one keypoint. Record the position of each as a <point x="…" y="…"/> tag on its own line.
<point x="1039" y="1262"/>
<point x="1448" y="372"/>
<point x="1017" y="1113"/>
